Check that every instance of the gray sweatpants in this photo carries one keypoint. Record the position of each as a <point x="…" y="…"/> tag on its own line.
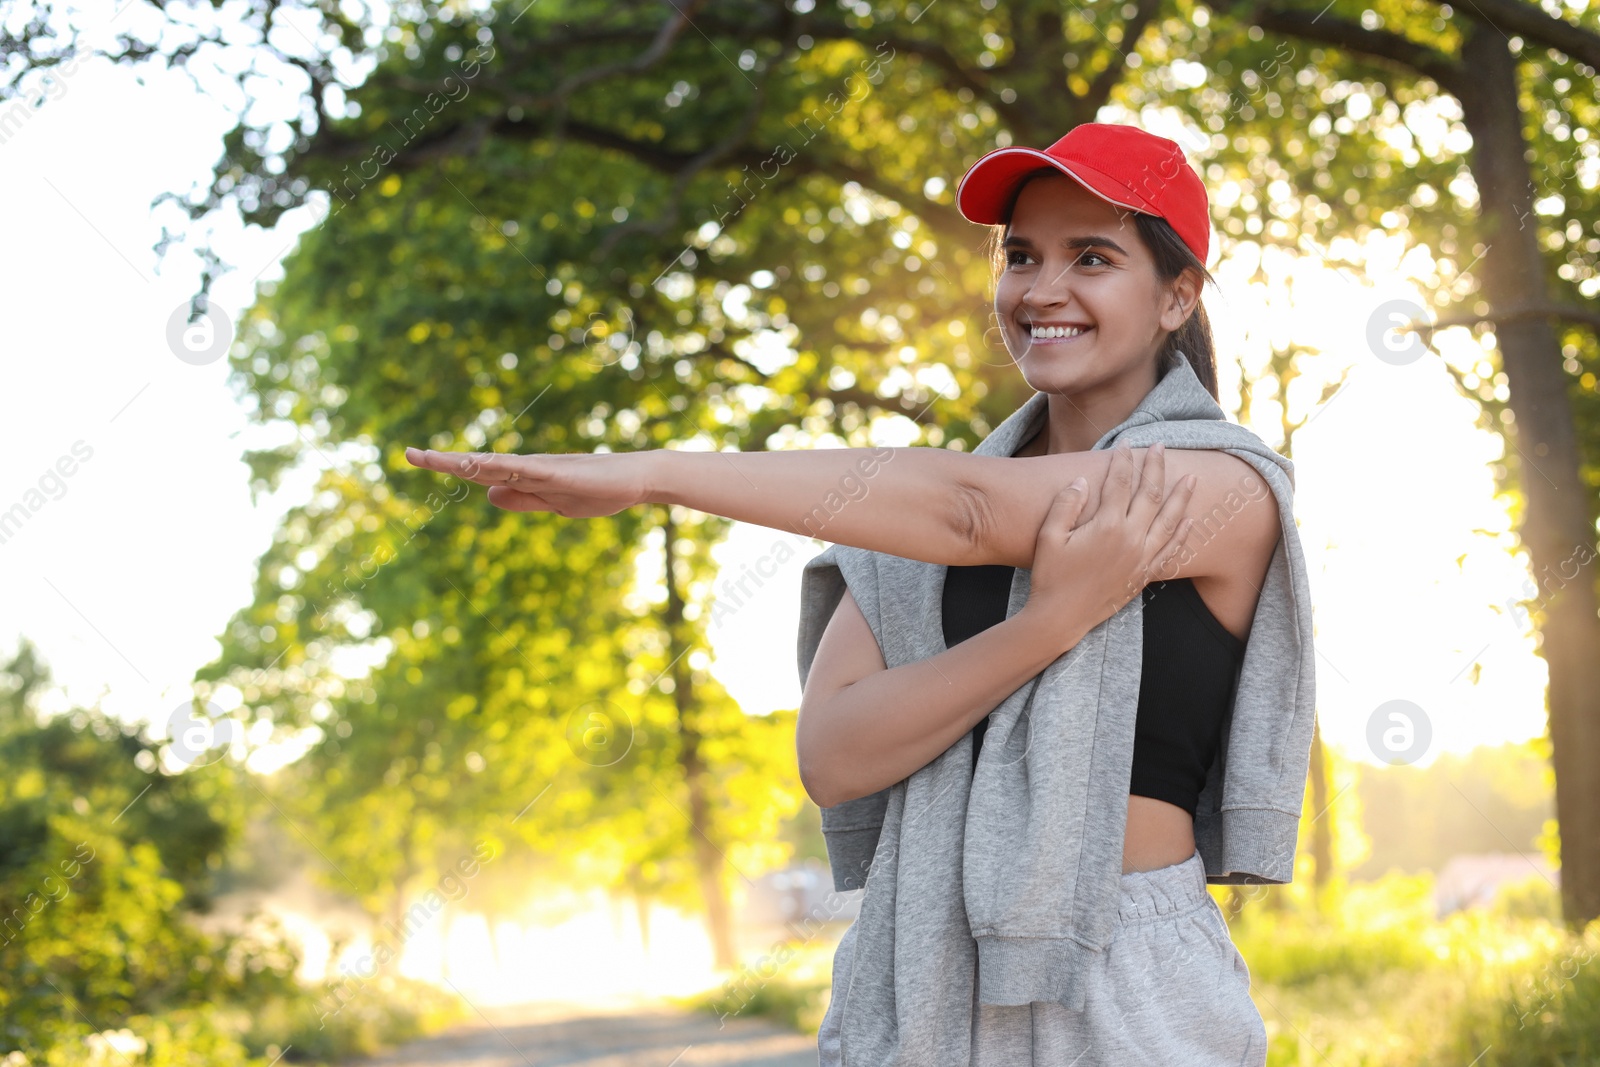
<point x="1170" y="990"/>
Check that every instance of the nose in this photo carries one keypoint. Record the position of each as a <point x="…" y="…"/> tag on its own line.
<point x="1051" y="288"/>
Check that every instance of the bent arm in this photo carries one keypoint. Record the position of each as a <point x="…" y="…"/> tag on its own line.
<point x="863" y="726"/>
<point x="963" y="509"/>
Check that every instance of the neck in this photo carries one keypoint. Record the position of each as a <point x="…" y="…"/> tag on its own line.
<point x="1075" y="421"/>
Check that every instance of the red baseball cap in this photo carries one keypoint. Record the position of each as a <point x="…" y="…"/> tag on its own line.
<point x="1122" y="165"/>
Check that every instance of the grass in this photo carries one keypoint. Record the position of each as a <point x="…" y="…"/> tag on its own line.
<point x="293" y="1029"/>
<point x="1374" y="979"/>
<point x="788" y="986"/>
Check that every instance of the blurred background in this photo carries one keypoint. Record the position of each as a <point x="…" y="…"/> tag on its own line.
<point x="308" y="754"/>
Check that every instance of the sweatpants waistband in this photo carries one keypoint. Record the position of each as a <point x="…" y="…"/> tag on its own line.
<point x="1164" y="892"/>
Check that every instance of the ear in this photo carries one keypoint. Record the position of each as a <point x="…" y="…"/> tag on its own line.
<point x="1180" y="299"/>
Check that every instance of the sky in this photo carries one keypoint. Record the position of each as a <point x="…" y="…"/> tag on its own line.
<point x="147" y="537"/>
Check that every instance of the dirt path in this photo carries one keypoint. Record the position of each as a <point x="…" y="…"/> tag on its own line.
<point x="641" y="1034"/>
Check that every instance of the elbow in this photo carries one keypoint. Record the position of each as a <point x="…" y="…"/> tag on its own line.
<point x="969" y="515"/>
<point x="810" y="761"/>
<point x="816" y="786"/>
<point x="815" y="791"/>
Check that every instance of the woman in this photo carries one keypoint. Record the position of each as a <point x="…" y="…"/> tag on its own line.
<point x="1097" y="296"/>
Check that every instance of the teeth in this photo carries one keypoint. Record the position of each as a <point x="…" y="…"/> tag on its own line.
<point x="1056" y="331"/>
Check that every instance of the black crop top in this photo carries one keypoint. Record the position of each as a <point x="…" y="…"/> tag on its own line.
<point x="1186" y="683"/>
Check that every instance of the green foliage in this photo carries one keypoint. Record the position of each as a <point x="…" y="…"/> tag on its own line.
<point x="1374" y="980"/>
<point x="790" y="983"/>
<point x="1365" y="933"/>
<point x="1553" y="1017"/>
<point x="97" y="858"/>
<point x="286" y="1027"/>
<point x="173" y="1039"/>
<point x="388" y="1011"/>
<point x="1486" y="800"/>
<point x="1533" y="898"/>
<point x="102" y="865"/>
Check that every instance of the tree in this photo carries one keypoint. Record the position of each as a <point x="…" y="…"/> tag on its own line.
<point x="1534" y="226"/>
<point x="742" y="215"/>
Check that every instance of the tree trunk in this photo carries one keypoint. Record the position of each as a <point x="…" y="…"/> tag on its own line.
<point x="1556" y="530"/>
<point x="395" y="909"/>
<point x="708" y="855"/>
<point x="642" y="904"/>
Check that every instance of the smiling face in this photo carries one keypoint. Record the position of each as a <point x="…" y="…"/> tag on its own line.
<point x="1079" y="302"/>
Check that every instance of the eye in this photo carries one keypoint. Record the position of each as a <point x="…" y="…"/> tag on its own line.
<point x="1094" y="255"/>
<point x="1010" y="262"/>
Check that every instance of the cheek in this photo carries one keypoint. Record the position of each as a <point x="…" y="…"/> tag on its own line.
<point x="1007" y="294"/>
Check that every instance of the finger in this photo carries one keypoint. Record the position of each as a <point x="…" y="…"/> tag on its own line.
<point x="1154" y="515"/>
<point x="487" y="468"/>
<point x="1150" y="486"/>
<point x="463" y="464"/>
<point x="1064" y="510"/>
<point x="1165" y="535"/>
<point x="1166" y="565"/>
<point x="425" y="458"/>
<point x="1118" y="488"/>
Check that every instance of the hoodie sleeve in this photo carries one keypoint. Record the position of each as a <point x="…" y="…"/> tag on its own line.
<point x="1252" y="826"/>
<point x="850" y="830"/>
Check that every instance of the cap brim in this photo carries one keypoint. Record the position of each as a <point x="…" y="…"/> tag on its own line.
<point x="984" y="189"/>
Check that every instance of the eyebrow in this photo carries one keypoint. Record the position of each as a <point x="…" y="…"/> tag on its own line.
<point x="1092" y="241"/>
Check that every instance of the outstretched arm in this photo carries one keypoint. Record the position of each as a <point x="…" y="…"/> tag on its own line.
<point x="917" y="502"/>
<point x="969" y="509"/>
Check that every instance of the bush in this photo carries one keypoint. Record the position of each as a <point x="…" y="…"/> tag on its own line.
<point x="793" y="993"/>
<point x="103" y="861"/>
<point x="314" y="1026"/>
<point x="1365" y="930"/>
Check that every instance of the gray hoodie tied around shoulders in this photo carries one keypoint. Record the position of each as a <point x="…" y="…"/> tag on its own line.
<point x="1007" y="877"/>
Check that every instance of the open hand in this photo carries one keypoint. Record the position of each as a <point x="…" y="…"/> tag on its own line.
<point x="575" y="485"/>
<point x="1135" y="536"/>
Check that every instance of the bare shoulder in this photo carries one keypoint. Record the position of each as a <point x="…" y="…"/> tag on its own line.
<point x="1237" y="526"/>
<point x="1003" y="501"/>
<point x="1235" y="513"/>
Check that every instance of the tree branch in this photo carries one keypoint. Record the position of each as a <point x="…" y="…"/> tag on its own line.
<point x="1532" y="22"/>
<point x="681" y="179"/>
<point x="1353" y="37"/>
<point x="975" y="79"/>
<point x="1107" y="80"/>
<point x="1566" y="312"/>
<point x="659" y="46"/>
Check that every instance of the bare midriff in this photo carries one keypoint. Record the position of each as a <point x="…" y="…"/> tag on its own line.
<point x="1159" y="834"/>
